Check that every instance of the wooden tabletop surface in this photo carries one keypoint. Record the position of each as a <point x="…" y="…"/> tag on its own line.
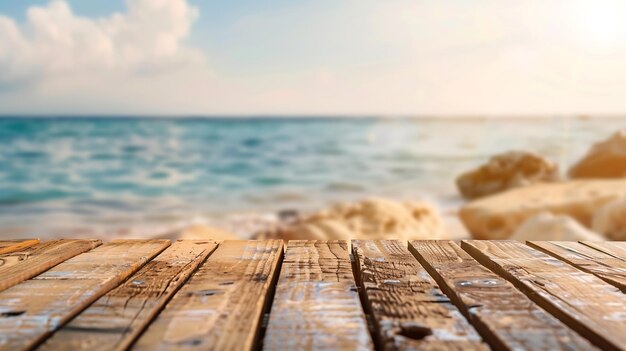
<point x="311" y="295"/>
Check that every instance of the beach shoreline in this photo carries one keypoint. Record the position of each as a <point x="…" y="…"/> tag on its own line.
<point x="114" y="177"/>
<point x="242" y="224"/>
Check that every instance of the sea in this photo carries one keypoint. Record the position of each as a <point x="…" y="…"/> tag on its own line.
<point x="144" y="176"/>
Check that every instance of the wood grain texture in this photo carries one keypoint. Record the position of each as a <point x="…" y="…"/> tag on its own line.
<point x="316" y="305"/>
<point x="7" y="246"/>
<point x="32" y="310"/>
<point x="220" y="307"/>
<point x="21" y="265"/>
<point x="584" y="302"/>
<point x="115" y="320"/>
<point x="505" y="317"/>
<point x="606" y="267"/>
<point x="616" y="249"/>
<point x="408" y="308"/>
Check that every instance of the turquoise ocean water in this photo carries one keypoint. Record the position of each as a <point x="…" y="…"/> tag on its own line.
<point x="63" y="176"/>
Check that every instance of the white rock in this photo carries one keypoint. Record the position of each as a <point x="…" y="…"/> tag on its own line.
<point x="546" y="226"/>
<point x="610" y="220"/>
<point x="498" y="216"/>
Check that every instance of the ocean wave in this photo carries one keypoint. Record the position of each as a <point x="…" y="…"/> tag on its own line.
<point x="169" y="170"/>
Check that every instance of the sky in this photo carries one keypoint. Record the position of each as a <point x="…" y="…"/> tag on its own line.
<point x="322" y="57"/>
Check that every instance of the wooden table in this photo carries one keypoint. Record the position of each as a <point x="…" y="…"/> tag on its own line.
<point x="312" y="295"/>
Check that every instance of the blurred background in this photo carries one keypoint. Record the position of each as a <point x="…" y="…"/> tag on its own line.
<point x="179" y="118"/>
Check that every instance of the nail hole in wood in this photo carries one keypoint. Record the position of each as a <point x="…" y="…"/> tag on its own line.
<point x="12" y="313"/>
<point x="414" y="331"/>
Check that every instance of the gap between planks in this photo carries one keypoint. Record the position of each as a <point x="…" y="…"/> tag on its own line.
<point x="607" y="267"/>
<point x="504" y="316"/>
<point x="117" y="319"/>
<point x="221" y="305"/>
<point x="408" y="308"/>
<point x="316" y="305"/>
<point x="23" y="263"/>
<point x="612" y="250"/>
<point x="584" y="302"/>
<point x="37" y="307"/>
<point x="615" y="249"/>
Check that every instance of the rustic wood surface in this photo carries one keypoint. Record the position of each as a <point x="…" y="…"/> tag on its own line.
<point x="408" y="308"/>
<point x="221" y="306"/>
<point x="606" y="267"/>
<point x="20" y="265"/>
<point x="115" y="320"/>
<point x="7" y="246"/>
<point x="615" y="249"/>
<point x="316" y="305"/>
<point x="581" y="300"/>
<point x="30" y="311"/>
<point x="144" y="295"/>
<point x="505" y="317"/>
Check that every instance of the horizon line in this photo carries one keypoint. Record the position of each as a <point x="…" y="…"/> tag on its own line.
<point x="313" y="116"/>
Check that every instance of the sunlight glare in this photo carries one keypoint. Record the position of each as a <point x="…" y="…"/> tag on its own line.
<point x="600" y="22"/>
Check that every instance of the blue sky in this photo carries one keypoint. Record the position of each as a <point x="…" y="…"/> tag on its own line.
<point x="312" y="57"/>
<point x="91" y="8"/>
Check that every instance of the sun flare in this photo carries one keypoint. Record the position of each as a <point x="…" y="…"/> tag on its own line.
<point x="600" y="23"/>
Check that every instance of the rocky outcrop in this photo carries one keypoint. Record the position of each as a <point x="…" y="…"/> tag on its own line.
<point x="505" y="171"/>
<point x="610" y="220"/>
<point x="498" y="216"/>
<point x="606" y="159"/>
<point x="546" y="226"/>
<point x="368" y="219"/>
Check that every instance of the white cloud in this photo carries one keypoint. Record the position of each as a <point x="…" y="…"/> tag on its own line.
<point x="439" y="57"/>
<point x="322" y="57"/>
<point x="54" y="43"/>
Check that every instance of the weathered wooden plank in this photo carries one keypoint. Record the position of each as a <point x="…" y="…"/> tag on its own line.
<point x="615" y="249"/>
<point x="221" y="306"/>
<point x="21" y="265"/>
<point x="581" y="300"/>
<point x="606" y="267"/>
<point x="116" y="320"/>
<point x="408" y="308"/>
<point x="316" y="305"/>
<point x="7" y="246"/>
<point x="32" y="310"/>
<point x="505" y="317"/>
